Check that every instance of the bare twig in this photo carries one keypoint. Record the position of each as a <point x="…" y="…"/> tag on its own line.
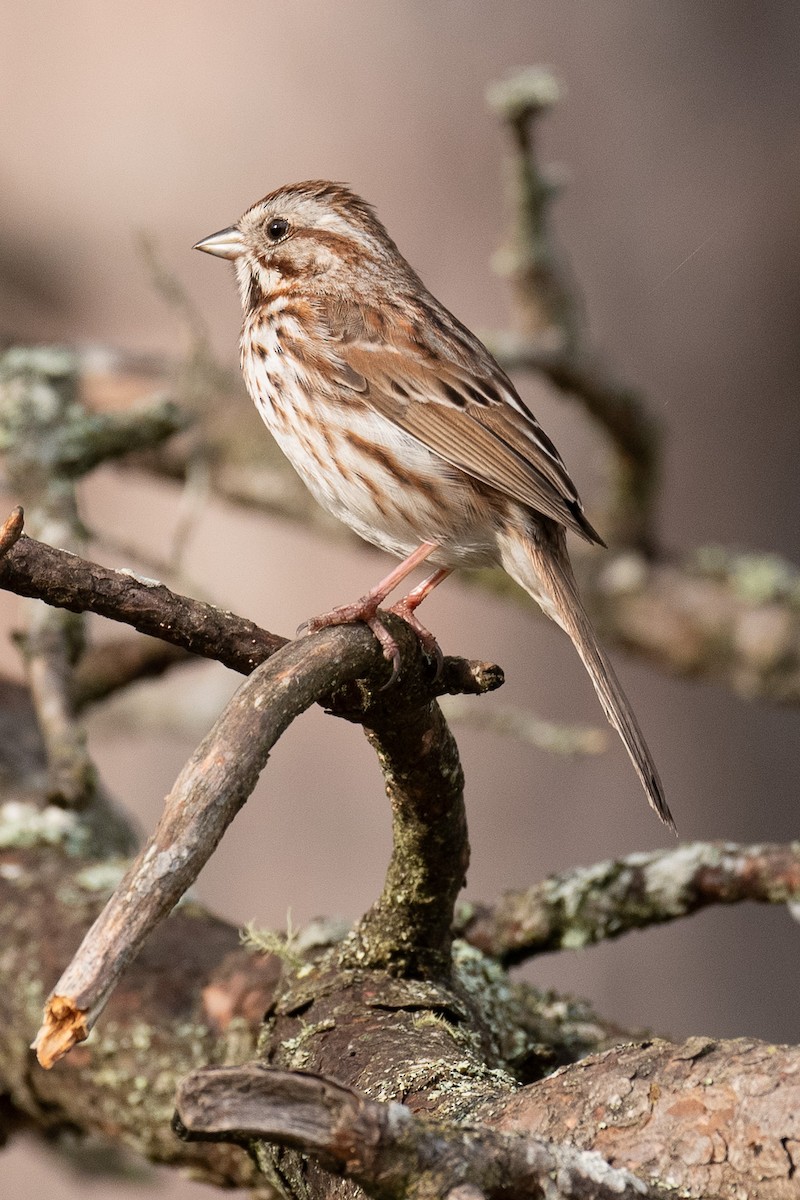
<point x="385" y="1148"/>
<point x="11" y="531"/>
<point x="527" y="727"/>
<point x="552" y="336"/>
<point x="31" y="568"/>
<point x="584" y="906"/>
<point x="109" y="667"/>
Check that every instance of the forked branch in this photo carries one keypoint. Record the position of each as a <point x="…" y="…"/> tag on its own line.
<point x="222" y="772"/>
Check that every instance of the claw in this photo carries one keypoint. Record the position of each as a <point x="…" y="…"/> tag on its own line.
<point x="366" y="610"/>
<point x="406" y="613"/>
<point x="391" y="651"/>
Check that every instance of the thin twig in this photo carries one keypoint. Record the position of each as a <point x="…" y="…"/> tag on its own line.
<point x="552" y="336"/>
<point x="108" y="667"/>
<point x="11" y="531"/>
<point x="31" y="568"/>
<point x="520" y="723"/>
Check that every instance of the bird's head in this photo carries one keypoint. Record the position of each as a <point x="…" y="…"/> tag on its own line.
<point x="314" y="230"/>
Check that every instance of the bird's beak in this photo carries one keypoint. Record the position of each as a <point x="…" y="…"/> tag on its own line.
<point x="225" y="244"/>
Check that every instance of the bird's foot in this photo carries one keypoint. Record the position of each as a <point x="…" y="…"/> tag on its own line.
<point x="366" y="610"/>
<point x="405" y="610"/>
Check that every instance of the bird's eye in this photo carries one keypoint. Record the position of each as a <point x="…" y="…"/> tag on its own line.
<point x="277" y="229"/>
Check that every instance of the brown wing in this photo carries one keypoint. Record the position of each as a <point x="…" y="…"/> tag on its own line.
<point x="446" y="390"/>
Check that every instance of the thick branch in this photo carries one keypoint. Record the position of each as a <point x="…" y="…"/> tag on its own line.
<point x="408" y="930"/>
<point x="708" y="1118"/>
<point x="715" y="1118"/>
<point x="584" y="906"/>
<point x="391" y="1153"/>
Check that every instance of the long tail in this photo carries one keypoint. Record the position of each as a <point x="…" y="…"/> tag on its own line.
<point x="539" y="562"/>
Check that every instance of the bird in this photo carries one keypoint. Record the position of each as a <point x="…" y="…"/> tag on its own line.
<point x="403" y="425"/>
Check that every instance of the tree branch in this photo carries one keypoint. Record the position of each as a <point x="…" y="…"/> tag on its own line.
<point x="552" y="336"/>
<point x="391" y="1153"/>
<point x="192" y="997"/>
<point x="31" y="568"/>
<point x="408" y="930"/>
<point x="218" y="779"/>
<point x="587" y="905"/>
<point x="708" y="1118"/>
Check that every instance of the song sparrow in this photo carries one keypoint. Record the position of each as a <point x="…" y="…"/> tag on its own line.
<point x="402" y="424"/>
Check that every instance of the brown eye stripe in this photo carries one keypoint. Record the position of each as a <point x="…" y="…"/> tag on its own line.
<point x="287" y="268"/>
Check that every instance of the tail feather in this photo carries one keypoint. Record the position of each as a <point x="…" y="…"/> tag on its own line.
<point x="540" y="564"/>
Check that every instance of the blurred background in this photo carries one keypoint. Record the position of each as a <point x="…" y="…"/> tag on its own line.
<point x="680" y="142"/>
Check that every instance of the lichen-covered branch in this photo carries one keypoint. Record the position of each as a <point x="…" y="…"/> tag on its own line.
<point x="49" y="440"/>
<point x="408" y="930"/>
<point x="716" y="615"/>
<point x="591" y="904"/>
<point x="710" y="1117"/>
<point x="194" y="996"/>
<point x="701" y="1114"/>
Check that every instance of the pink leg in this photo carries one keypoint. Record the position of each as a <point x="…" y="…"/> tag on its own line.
<point x="405" y="608"/>
<point x="366" y="609"/>
<point x="419" y="593"/>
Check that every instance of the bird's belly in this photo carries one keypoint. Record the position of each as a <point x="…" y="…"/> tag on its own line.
<point x="389" y="488"/>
